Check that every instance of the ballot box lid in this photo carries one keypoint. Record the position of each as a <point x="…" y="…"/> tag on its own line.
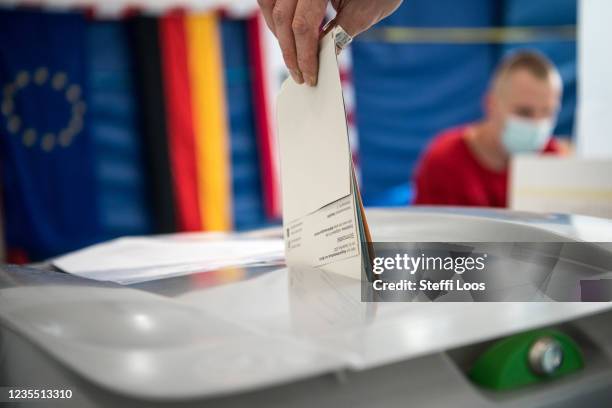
<point x="238" y="329"/>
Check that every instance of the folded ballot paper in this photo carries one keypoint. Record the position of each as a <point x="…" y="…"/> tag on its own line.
<point x="324" y="224"/>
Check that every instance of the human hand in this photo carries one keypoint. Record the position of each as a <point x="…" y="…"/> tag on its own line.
<point x="297" y="26"/>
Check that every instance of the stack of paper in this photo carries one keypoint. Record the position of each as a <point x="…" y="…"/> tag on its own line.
<point x="139" y="259"/>
<point x="571" y="185"/>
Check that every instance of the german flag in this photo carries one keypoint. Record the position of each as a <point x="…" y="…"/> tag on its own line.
<point x="185" y="120"/>
<point x="210" y="120"/>
<point x="196" y="134"/>
<point x="146" y="50"/>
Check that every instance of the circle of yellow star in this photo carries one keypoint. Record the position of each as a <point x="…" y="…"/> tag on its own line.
<point x="28" y="134"/>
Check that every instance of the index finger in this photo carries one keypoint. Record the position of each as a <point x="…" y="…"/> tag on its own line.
<point x="266" y="7"/>
<point x="306" y="25"/>
<point x="282" y="14"/>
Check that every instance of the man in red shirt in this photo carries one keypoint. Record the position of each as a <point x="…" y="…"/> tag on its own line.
<point x="468" y="165"/>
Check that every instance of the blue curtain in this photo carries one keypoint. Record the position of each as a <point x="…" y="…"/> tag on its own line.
<point x="407" y="93"/>
<point x="562" y="53"/>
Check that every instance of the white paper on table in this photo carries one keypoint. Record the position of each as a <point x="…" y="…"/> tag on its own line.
<point x="138" y="259"/>
<point x="564" y="185"/>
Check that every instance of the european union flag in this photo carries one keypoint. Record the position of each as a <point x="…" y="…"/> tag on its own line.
<point x="45" y="149"/>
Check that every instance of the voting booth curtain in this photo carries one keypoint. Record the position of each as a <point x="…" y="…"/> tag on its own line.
<point x="431" y="71"/>
<point x="129" y="126"/>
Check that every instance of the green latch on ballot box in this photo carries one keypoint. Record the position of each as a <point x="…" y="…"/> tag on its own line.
<point x="526" y="358"/>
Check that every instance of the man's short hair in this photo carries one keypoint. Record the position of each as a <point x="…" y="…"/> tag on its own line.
<point x="534" y="62"/>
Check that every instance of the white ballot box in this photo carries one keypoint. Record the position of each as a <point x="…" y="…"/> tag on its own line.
<point x="569" y="185"/>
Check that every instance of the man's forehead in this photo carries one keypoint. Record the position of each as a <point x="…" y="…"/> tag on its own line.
<point x="522" y="81"/>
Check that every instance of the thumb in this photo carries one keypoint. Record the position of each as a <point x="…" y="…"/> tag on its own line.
<point x="357" y="16"/>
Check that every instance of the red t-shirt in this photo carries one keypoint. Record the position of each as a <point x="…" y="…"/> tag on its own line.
<point x="450" y="174"/>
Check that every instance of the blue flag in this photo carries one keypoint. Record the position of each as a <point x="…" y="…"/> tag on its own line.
<point x="45" y="148"/>
<point x="112" y="118"/>
<point x="246" y="182"/>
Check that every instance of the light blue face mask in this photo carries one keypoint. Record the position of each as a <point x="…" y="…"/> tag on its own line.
<point x="526" y="135"/>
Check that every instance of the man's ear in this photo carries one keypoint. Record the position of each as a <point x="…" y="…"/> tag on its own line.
<point x="488" y="104"/>
<point x="492" y="108"/>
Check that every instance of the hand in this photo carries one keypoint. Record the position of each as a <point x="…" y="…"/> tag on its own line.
<point x="297" y="23"/>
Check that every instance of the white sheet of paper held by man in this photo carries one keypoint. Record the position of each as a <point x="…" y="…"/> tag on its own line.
<point x="323" y="219"/>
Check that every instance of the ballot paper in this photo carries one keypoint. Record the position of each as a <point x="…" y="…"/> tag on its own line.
<point x="324" y="223"/>
<point x="139" y="259"/>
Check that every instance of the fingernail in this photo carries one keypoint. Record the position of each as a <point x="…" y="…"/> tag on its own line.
<point x="311" y="80"/>
<point x="297" y="76"/>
